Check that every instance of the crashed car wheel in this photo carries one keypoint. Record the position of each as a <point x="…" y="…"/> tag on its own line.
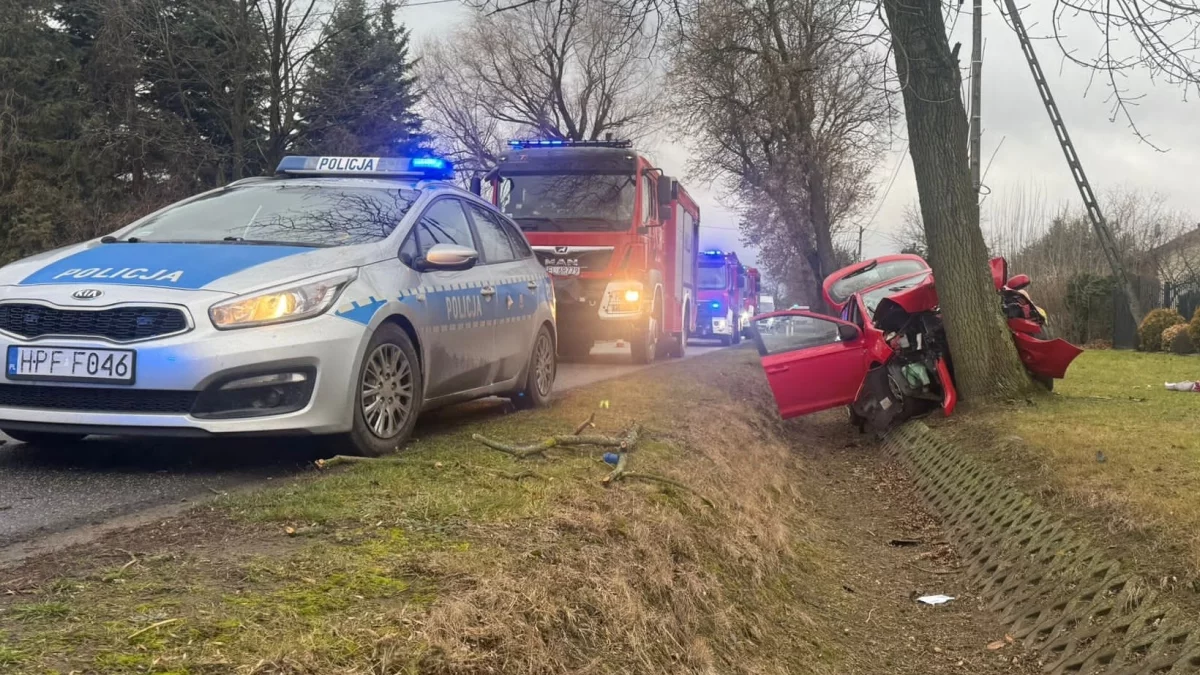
<point x="388" y="394"/>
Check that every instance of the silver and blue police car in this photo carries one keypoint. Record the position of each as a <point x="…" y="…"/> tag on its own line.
<point x="340" y="297"/>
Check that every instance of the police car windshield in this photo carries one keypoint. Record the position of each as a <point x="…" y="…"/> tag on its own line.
<point x="281" y="213"/>
<point x="569" y="203"/>
<point x="712" y="277"/>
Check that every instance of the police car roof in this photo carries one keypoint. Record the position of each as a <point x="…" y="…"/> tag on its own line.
<point x="387" y="183"/>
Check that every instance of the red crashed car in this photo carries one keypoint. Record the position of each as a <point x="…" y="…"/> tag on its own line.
<point x="886" y="355"/>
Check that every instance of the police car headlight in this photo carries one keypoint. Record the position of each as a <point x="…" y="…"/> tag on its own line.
<point x="299" y="301"/>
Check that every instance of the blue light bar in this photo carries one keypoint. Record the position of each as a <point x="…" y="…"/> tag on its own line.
<point x="566" y="142"/>
<point x="408" y="167"/>
<point x="714" y="252"/>
<point x="716" y="305"/>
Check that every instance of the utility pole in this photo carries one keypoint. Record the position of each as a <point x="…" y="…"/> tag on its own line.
<point x="1107" y="242"/>
<point x="858" y="256"/>
<point x="976" y="130"/>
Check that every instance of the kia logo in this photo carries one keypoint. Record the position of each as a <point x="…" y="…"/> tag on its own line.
<point x="561" y="249"/>
<point x="87" y="294"/>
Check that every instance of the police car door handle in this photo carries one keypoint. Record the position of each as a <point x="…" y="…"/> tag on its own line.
<point x="487" y="290"/>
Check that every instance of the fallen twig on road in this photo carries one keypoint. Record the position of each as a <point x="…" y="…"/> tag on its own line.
<point x="929" y="571"/>
<point x="589" y="423"/>
<point x="160" y="624"/>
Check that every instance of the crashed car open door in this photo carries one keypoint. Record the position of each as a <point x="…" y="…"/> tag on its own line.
<point x="812" y="362"/>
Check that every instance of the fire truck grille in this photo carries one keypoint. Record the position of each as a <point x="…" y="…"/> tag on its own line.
<point x="593" y="261"/>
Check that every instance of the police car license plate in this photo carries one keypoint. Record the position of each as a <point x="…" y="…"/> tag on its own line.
<point x="71" y="364"/>
<point x="563" y="270"/>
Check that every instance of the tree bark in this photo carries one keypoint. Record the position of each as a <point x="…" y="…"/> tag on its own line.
<point x="986" y="364"/>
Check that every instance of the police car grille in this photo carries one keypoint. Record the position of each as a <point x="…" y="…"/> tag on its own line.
<point x="88" y="399"/>
<point x="121" y="324"/>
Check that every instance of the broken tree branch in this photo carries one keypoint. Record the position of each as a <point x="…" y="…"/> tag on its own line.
<point x="539" y="449"/>
<point x="589" y="423"/>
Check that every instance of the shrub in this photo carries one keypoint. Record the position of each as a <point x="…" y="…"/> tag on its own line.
<point x="1194" y="328"/>
<point x="1177" y="340"/>
<point x="1151" y="330"/>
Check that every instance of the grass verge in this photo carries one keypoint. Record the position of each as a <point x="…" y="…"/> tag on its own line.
<point x="1113" y="451"/>
<point x="450" y="562"/>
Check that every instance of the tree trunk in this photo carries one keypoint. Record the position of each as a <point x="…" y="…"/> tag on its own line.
<point x="986" y="364"/>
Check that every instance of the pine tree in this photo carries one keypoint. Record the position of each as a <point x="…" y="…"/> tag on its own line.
<point x="362" y="91"/>
<point x="41" y="121"/>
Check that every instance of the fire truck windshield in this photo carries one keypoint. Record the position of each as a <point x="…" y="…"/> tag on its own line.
<point x="712" y="277"/>
<point x="569" y="203"/>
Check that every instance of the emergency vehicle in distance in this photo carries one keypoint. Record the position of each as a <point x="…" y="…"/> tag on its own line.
<point x="720" y="283"/>
<point x="617" y="236"/>
<point x="750" y="296"/>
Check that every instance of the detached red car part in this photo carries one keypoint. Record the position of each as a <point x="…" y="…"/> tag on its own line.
<point x="886" y="356"/>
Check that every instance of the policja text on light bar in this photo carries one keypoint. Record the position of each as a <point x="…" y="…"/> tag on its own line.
<point x="410" y="167"/>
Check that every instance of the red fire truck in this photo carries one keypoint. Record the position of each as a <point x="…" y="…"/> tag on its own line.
<point x="720" y="283"/>
<point x="750" y="294"/>
<point x="618" y="237"/>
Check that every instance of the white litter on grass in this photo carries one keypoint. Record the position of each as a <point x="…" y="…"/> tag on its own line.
<point x="935" y="599"/>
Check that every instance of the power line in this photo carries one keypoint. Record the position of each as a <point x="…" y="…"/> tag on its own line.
<point x="888" y="190"/>
<point x="428" y="2"/>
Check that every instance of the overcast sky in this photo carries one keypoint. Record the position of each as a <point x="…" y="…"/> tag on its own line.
<point x="1028" y="159"/>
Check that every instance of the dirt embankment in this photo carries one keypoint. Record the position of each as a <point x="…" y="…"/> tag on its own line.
<point x="461" y="559"/>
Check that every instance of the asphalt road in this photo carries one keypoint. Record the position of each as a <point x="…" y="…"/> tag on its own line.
<point x="53" y="497"/>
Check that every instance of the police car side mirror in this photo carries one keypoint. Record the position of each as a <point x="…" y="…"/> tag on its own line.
<point x="448" y="258"/>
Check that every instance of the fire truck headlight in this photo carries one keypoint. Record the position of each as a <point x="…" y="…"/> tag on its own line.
<point x="633" y="295"/>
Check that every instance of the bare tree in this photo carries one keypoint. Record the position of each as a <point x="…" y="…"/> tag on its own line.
<point x="573" y="69"/>
<point x="784" y="110"/>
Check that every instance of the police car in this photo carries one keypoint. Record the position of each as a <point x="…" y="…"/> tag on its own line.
<point x="342" y="296"/>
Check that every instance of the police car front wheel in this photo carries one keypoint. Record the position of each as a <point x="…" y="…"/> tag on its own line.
<point x="388" y="394"/>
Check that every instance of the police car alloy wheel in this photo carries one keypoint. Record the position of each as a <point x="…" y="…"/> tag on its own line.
<point x="389" y="394"/>
<point x="543" y="365"/>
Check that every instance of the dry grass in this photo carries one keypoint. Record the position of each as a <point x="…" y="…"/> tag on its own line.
<point x="1113" y="449"/>
<point x="441" y="565"/>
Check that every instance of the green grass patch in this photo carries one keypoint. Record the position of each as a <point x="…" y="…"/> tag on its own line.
<point x="1112" y="446"/>
<point x="449" y="561"/>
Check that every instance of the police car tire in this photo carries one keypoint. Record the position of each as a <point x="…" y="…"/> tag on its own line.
<point x="530" y="396"/>
<point x="45" y="439"/>
<point x="361" y="441"/>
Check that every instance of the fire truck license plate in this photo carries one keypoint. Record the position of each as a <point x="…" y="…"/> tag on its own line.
<point x="563" y="270"/>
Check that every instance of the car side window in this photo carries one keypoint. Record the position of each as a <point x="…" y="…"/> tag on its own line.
<point x="852" y="314"/>
<point x="444" y="222"/>
<point x="493" y="239"/>
<point x="410" y="250"/>
<point x="788" y="333"/>
<point x="520" y="244"/>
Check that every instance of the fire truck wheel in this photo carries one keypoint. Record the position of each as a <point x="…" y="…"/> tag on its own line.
<point x="644" y="345"/>
<point x="677" y="346"/>
<point x="574" y="347"/>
